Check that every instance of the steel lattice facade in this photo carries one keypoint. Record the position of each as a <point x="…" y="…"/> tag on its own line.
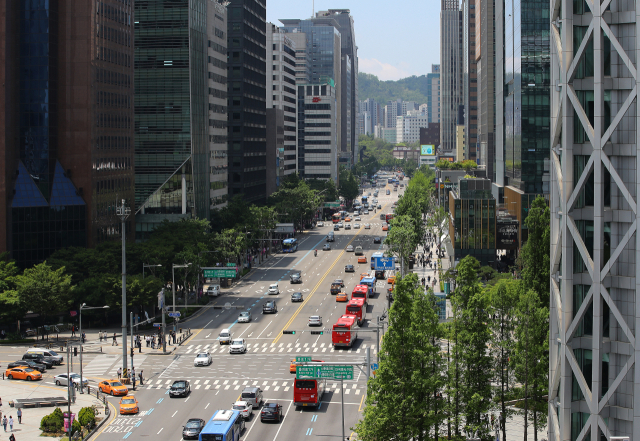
<point x="594" y="251"/>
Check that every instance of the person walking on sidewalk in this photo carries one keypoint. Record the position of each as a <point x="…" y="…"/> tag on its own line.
<point x="19" y="416"/>
<point x="10" y="423"/>
<point x="12" y="437"/>
<point x="4" y="423"/>
<point x="119" y="373"/>
<point x="114" y="342"/>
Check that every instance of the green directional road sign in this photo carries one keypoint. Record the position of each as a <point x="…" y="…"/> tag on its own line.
<point x="231" y="264"/>
<point x="212" y="273"/>
<point x="330" y="372"/>
<point x="303" y="358"/>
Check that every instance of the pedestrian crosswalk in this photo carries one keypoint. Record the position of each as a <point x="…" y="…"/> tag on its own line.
<point x="101" y="364"/>
<point x="280" y="348"/>
<point x="350" y="387"/>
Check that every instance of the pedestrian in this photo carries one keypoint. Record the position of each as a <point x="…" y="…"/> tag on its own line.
<point x="114" y="342"/>
<point x="10" y="423"/>
<point x="4" y="423"/>
<point x="12" y="437"/>
<point x="100" y="335"/>
<point x="84" y="337"/>
<point x="140" y="375"/>
<point x="19" y="416"/>
<point x="119" y="373"/>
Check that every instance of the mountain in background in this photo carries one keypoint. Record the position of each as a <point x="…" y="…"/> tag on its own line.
<point x="407" y="89"/>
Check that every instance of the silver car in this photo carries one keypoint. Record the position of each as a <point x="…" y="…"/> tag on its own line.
<point x="315" y="320"/>
<point x="238" y="346"/>
<point x="245" y="409"/>
<point x="244" y="317"/>
<point x="350" y="248"/>
<point x="63" y="379"/>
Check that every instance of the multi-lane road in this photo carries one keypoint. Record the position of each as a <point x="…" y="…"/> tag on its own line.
<point x="266" y="364"/>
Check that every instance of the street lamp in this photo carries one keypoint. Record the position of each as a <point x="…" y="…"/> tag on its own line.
<point x="82" y="307"/>
<point x="123" y="213"/>
<point x="173" y="285"/>
<point x="145" y="265"/>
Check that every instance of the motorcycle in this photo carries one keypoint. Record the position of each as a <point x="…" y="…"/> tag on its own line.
<point x="315" y="253"/>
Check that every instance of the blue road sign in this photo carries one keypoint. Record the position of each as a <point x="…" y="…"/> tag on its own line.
<point x="374" y="366"/>
<point x="384" y="263"/>
<point x="174" y="314"/>
<point x="157" y="325"/>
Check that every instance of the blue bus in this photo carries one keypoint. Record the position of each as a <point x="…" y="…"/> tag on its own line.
<point x="224" y="425"/>
<point x="289" y="245"/>
<point x="364" y="200"/>
<point x="371" y="283"/>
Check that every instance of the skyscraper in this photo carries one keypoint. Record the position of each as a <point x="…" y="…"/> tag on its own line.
<point x="470" y="17"/>
<point x="67" y="124"/>
<point x="433" y="94"/>
<point x="247" y="99"/>
<point x="450" y="73"/>
<point x="594" y="374"/>
<point x="522" y="106"/>
<point x="180" y="110"/>
<point x="485" y="62"/>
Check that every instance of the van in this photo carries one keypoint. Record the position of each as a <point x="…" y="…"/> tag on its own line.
<point x="213" y="290"/>
<point x="252" y="395"/>
<point x="46" y="353"/>
<point x="225" y="337"/>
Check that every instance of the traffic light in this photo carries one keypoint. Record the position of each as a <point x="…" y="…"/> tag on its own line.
<point x="288" y="332"/>
<point x="317" y="332"/>
<point x="132" y="352"/>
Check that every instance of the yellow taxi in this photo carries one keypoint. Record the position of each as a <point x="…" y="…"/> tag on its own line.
<point x="128" y="405"/>
<point x="362" y="259"/>
<point x="363" y="275"/>
<point x="385" y="228"/>
<point x="391" y="280"/>
<point x="347" y="219"/>
<point x="113" y="387"/>
<point x="342" y="297"/>
<point x="23" y="373"/>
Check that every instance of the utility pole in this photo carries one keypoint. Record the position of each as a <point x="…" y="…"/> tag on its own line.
<point x="123" y="213"/>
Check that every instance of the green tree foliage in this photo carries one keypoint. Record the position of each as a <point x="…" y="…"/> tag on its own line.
<point x="295" y="201"/>
<point x="10" y="308"/>
<point x="409" y="167"/>
<point x="326" y="187"/>
<point x="402" y="239"/>
<point x="503" y="298"/>
<point x="531" y="358"/>
<point x="402" y="399"/>
<point x="413" y="88"/>
<point x="87" y="416"/>
<point x="535" y="253"/>
<point x="348" y="185"/>
<point x="53" y="422"/>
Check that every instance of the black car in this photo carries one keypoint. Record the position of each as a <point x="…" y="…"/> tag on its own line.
<point x="270" y="307"/>
<point x="41" y="367"/>
<point x="296" y="278"/>
<point x="192" y="429"/>
<point x="340" y="281"/>
<point x="39" y="358"/>
<point x="377" y="239"/>
<point x="326" y="247"/>
<point x="296" y="297"/>
<point x="271" y="412"/>
<point x="349" y="269"/>
<point x="180" y="388"/>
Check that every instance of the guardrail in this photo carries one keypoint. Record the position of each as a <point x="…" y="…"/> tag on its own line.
<point x="184" y="337"/>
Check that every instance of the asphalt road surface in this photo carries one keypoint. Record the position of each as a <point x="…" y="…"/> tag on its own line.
<point x="266" y="364"/>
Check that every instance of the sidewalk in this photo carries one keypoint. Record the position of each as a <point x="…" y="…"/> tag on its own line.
<point x="29" y="430"/>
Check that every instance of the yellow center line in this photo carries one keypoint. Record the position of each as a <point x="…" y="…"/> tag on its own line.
<point x="295" y="314"/>
<point x="108" y="423"/>
<point x="361" y="402"/>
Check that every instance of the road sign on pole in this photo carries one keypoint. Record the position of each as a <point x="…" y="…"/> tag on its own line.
<point x="157" y="325"/>
<point x="384" y="263"/>
<point x="331" y="372"/>
<point x="374" y="366"/>
<point x="303" y="358"/>
<point x="174" y="314"/>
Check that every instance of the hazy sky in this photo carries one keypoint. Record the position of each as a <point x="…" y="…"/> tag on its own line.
<point x="395" y="39"/>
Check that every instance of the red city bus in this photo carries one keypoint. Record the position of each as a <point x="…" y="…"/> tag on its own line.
<point x="345" y="331"/>
<point x="388" y="217"/>
<point x="308" y="391"/>
<point x="336" y="218"/>
<point x="357" y="308"/>
<point x="361" y="292"/>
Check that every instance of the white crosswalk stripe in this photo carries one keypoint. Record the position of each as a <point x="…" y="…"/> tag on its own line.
<point x="100" y="365"/>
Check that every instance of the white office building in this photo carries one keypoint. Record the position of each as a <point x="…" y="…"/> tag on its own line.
<point x="408" y="126"/>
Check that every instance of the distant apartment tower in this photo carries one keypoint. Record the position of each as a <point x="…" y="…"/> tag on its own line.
<point x="181" y="113"/>
<point x="486" y="68"/>
<point x="246" y="28"/>
<point x="432" y="106"/>
<point x="281" y="90"/>
<point x="471" y="19"/>
<point x="451" y="54"/>
<point x="408" y="106"/>
<point x="594" y="373"/>
<point x="408" y="127"/>
<point x="66" y="132"/>
<point x="370" y="105"/>
<point x="392" y="110"/>
<point x="318" y="131"/>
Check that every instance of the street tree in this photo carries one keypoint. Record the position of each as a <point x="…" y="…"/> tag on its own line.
<point x="536" y="252"/>
<point x="403" y="238"/>
<point x="347" y="185"/>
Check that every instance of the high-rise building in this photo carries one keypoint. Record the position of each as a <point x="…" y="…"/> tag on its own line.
<point x="451" y="54"/>
<point x="318" y="130"/>
<point x="408" y="127"/>
<point x="433" y="94"/>
<point x="470" y="17"/>
<point x="485" y="61"/>
<point x="594" y="375"/>
<point x="522" y="107"/>
<point x="370" y="105"/>
<point x="392" y="110"/>
<point x="181" y="112"/>
<point x="67" y="124"/>
<point x="408" y="106"/>
<point x="246" y="28"/>
<point x="281" y="88"/>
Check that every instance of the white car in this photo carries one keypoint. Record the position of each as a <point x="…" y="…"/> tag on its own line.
<point x="238" y="345"/>
<point x="245" y="409"/>
<point x="366" y="211"/>
<point x="356" y="226"/>
<point x="63" y="380"/>
<point x="202" y="359"/>
<point x="349" y="248"/>
<point x="244" y="317"/>
<point x="367" y="226"/>
<point x="315" y="320"/>
<point x="319" y="224"/>
<point x="340" y="224"/>
<point x="357" y="218"/>
<point x="273" y="289"/>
